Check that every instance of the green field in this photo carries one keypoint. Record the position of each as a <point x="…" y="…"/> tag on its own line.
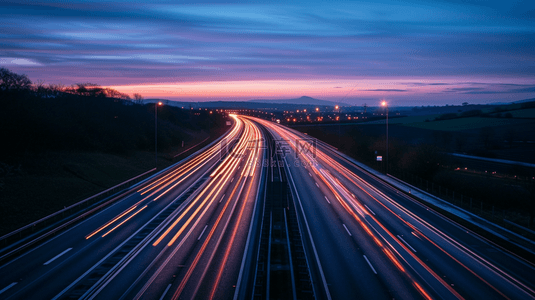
<point x="403" y="120"/>
<point x="528" y="113"/>
<point x="468" y="123"/>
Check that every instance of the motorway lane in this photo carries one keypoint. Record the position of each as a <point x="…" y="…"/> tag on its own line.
<point x="213" y="245"/>
<point x="465" y="273"/>
<point x="363" y="239"/>
<point x="443" y="264"/>
<point x="344" y="253"/>
<point x="36" y="280"/>
<point x="464" y="261"/>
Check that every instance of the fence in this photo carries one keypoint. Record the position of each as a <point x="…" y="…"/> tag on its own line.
<point x="514" y="220"/>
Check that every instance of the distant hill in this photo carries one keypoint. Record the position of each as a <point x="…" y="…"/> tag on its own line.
<point x="514" y="102"/>
<point x="280" y="104"/>
<point x="304" y="100"/>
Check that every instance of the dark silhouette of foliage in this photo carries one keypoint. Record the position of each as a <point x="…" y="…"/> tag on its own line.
<point x="86" y="117"/>
<point x="10" y="81"/>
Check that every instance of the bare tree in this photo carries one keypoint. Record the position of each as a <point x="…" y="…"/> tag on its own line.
<point x="138" y="98"/>
<point x="12" y="81"/>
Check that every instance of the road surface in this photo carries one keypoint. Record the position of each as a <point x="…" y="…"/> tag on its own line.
<point x="266" y="212"/>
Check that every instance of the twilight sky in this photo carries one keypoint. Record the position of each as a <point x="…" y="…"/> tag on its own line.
<point x="407" y="52"/>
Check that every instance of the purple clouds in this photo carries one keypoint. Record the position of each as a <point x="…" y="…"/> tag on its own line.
<point x="142" y="42"/>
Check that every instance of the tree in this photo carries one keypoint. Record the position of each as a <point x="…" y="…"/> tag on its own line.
<point x="138" y="97"/>
<point x="11" y="81"/>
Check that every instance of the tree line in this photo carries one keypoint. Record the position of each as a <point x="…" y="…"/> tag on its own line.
<point x="87" y="117"/>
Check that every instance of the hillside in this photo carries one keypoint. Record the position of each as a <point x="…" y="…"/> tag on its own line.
<point x="304" y="100"/>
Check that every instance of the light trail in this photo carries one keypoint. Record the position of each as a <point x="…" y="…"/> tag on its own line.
<point x="185" y="170"/>
<point x="331" y="182"/>
<point x="218" y="185"/>
<point x="203" y="248"/>
<point x="233" y="235"/>
<point x="117" y="226"/>
<point x="110" y="222"/>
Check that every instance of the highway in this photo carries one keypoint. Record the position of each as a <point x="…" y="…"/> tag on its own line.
<point x="374" y="241"/>
<point x="266" y="213"/>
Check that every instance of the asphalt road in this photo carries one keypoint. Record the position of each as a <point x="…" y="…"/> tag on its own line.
<point x="414" y="251"/>
<point x="193" y="232"/>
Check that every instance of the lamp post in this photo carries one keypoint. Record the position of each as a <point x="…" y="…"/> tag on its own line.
<point x="386" y="106"/>
<point x="156" y="132"/>
<point x="337" y="109"/>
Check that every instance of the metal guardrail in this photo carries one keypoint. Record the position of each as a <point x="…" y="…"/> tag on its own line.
<point x="519" y="226"/>
<point x="25" y="244"/>
<point x="175" y="156"/>
<point x="34" y="224"/>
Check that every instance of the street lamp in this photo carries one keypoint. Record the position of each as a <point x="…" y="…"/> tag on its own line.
<point x="156" y="132"/>
<point x="337" y="109"/>
<point x="384" y="104"/>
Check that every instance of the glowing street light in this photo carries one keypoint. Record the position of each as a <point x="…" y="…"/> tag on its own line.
<point x="384" y="104"/>
<point x="317" y="109"/>
<point x="156" y="132"/>
<point x="337" y="109"/>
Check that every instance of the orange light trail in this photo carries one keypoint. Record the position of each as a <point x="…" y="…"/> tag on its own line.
<point x="334" y="164"/>
<point x="110" y="222"/>
<point x="124" y="221"/>
<point x="227" y="171"/>
<point x="203" y="247"/>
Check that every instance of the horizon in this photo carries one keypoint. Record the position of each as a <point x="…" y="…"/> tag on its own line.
<point x="409" y="54"/>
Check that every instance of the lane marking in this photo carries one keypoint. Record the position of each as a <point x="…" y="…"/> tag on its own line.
<point x="369" y="264"/>
<point x="165" y="292"/>
<point x="57" y="256"/>
<point x="327" y="200"/>
<point x="406" y="243"/>
<point x="232" y="179"/>
<point x="309" y="174"/>
<point x="8" y="287"/>
<point x="369" y="209"/>
<point x="317" y="184"/>
<point x="202" y="233"/>
<point x="221" y="198"/>
<point x="318" y="262"/>
<point x="347" y="229"/>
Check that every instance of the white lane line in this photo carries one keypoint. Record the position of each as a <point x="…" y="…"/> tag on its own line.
<point x="317" y="184"/>
<point x="327" y="200"/>
<point x="165" y="292"/>
<point x="347" y="229"/>
<point x="8" y="287"/>
<point x="309" y="174"/>
<point x="221" y="198"/>
<point x="369" y="209"/>
<point x="57" y="256"/>
<point x="369" y="264"/>
<point x="232" y="179"/>
<point x="202" y="233"/>
<point x="406" y="243"/>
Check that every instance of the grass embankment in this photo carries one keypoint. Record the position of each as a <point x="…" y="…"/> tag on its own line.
<point x="43" y="183"/>
<point x="59" y="149"/>
<point x="416" y="155"/>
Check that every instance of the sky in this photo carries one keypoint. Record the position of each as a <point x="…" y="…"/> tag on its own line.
<point x="355" y="52"/>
